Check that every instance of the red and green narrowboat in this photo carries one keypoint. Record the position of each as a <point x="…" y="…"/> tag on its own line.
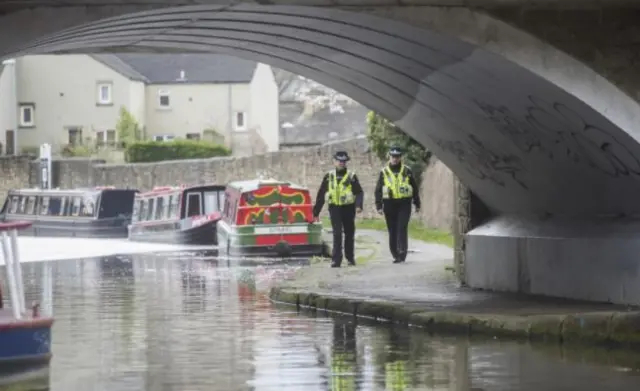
<point x="268" y="218"/>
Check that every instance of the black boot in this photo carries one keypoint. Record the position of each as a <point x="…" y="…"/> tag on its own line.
<point x="335" y="264"/>
<point x="351" y="262"/>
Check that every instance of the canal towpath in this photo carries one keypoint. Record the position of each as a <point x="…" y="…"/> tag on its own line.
<point x="424" y="292"/>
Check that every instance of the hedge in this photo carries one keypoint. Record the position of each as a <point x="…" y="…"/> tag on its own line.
<point x="156" y="151"/>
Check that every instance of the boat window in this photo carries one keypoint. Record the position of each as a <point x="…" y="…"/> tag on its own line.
<point x="23" y="203"/>
<point x="159" y="215"/>
<point x="166" y="208"/>
<point x="54" y="206"/>
<point x="193" y="205"/>
<point x="150" y="209"/>
<point x="88" y="207"/>
<point x="212" y="201"/>
<point x="143" y="210"/>
<point x="44" y="206"/>
<point x="76" y="202"/>
<point x="135" y="214"/>
<point x="15" y="202"/>
<point x="65" y="204"/>
<point x="174" y="207"/>
<point x="31" y="205"/>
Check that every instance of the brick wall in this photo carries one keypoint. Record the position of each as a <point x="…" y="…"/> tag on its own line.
<point x="304" y="166"/>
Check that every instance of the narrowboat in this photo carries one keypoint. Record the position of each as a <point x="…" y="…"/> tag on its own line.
<point x="268" y="218"/>
<point x="177" y="215"/>
<point x="25" y="334"/>
<point x="98" y="212"/>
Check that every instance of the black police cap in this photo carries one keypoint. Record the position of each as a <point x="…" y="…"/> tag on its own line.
<point x="341" y="156"/>
<point x="395" y="151"/>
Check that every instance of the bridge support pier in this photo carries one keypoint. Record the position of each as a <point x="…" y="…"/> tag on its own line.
<point x="594" y="260"/>
<point x="469" y="212"/>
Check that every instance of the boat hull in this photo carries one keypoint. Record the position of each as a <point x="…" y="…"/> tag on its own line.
<point x="203" y="235"/>
<point x="24" y="343"/>
<point x="245" y="241"/>
<point x="112" y="228"/>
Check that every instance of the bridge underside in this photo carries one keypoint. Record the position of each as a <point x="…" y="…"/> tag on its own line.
<point x="559" y="180"/>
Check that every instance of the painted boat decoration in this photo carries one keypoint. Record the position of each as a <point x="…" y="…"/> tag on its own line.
<point x="25" y="335"/>
<point x="178" y="215"/>
<point x="268" y="218"/>
<point x="98" y="212"/>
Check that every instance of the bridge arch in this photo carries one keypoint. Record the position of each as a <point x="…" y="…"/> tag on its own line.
<point x="520" y="127"/>
<point x="517" y="137"/>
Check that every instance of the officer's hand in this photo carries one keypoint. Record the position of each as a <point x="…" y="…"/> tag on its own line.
<point x="379" y="211"/>
<point x="358" y="210"/>
<point x="417" y="210"/>
<point x="316" y="219"/>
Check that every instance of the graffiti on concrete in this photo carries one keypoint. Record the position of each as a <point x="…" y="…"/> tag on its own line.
<point x="555" y="130"/>
<point x="482" y="163"/>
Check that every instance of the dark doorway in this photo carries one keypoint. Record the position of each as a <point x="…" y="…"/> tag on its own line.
<point x="11" y="142"/>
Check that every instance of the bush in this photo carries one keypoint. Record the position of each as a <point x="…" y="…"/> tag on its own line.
<point x="382" y="134"/>
<point x="76" y="151"/>
<point x="157" y="151"/>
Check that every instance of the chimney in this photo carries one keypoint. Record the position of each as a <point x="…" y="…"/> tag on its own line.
<point x="182" y="75"/>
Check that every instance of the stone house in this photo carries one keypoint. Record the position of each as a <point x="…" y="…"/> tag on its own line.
<point x="76" y="99"/>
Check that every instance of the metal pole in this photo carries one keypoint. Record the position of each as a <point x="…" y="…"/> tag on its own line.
<point x="18" y="269"/>
<point x="15" y="302"/>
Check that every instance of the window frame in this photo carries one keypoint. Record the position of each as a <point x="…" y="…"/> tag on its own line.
<point x="32" y="108"/>
<point x="236" y="125"/>
<point x="104" y="102"/>
<point x="162" y="94"/>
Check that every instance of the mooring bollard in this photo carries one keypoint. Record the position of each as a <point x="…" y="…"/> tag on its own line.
<point x="12" y="264"/>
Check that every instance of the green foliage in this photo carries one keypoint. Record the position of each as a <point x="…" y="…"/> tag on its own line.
<point x="382" y="134"/>
<point x="156" y="151"/>
<point x="76" y="151"/>
<point x="31" y="150"/>
<point x="127" y="127"/>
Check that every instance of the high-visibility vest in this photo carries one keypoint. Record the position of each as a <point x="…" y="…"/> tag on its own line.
<point x="396" y="186"/>
<point x="342" y="373"/>
<point x="395" y="376"/>
<point x="340" y="193"/>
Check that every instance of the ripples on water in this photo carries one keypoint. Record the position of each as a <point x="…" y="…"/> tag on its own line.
<point x="173" y="322"/>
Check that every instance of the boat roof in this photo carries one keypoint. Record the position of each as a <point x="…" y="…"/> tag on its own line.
<point x="58" y="191"/>
<point x="170" y="189"/>
<point x="255" y="184"/>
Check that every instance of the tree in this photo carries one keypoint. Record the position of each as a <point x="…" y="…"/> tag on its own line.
<point x="127" y="128"/>
<point x="382" y="134"/>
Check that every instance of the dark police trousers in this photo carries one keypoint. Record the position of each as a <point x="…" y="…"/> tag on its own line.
<point x="397" y="214"/>
<point x="343" y="219"/>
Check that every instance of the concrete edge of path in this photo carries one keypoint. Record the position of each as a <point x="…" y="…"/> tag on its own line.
<point x="596" y="327"/>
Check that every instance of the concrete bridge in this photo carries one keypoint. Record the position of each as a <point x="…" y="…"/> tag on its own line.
<point x="533" y="107"/>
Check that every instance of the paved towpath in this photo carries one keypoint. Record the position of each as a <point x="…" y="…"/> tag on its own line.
<point x="425" y="280"/>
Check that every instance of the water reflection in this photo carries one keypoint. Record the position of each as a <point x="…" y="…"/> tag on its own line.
<point x="176" y="322"/>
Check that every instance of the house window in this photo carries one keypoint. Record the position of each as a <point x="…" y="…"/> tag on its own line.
<point x="75" y="136"/>
<point x="27" y="114"/>
<point x="193" y="136"/>
<point x="163" y="99"/>
<point x="240" y="121"/>
<point x="106" y="137"/>
<point x="104" y="94"/>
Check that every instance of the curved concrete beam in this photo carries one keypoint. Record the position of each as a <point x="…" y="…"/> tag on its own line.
<point x="520" y="142"/>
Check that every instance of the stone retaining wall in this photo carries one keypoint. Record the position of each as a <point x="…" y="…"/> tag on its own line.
<point x="305" y="166"/>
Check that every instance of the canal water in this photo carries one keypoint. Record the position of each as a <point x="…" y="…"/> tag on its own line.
<point x="181" y="322"/>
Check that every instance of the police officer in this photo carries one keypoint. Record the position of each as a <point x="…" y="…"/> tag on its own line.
<point x="395" y="190"/>
<point x="341" y="189"/>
